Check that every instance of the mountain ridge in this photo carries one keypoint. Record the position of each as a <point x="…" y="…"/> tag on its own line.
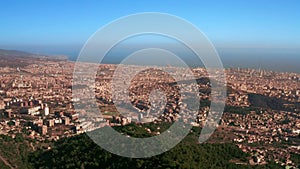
<point x="4" y="53"/>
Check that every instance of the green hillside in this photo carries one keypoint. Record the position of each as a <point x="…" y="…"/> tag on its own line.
<point x="82" y="152"/>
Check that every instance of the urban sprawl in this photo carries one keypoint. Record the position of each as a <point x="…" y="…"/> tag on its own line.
<point x="36" y="100"/>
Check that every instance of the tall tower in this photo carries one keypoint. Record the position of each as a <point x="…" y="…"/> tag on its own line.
<point x="140" y="116"/>
<point x="47" y="111"/>
<point x="20" y="83"/>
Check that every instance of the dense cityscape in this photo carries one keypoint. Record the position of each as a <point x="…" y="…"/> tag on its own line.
<point x="150" y="84"/>
<point x="261" y="115"/>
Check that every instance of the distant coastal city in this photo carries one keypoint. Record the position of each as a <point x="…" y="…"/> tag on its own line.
<point x="261" y="115"/>
<point x="150" y="84"/>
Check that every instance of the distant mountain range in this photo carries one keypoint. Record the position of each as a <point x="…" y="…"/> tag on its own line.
<point x="15" y="58"/>
<point x="15" y="53"/>
<point x="4" y="53"/>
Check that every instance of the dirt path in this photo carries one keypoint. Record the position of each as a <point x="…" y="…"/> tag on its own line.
<point x="5" y="162"/>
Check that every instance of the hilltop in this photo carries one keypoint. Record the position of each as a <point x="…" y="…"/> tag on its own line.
<point x="16" y="58"/>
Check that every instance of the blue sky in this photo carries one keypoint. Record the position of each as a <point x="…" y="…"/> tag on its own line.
<point x="255" y="22"/>
<point x="65" y="25"/>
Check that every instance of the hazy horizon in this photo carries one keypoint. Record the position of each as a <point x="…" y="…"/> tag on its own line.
<point x="257" y="58"/>
<point x="256" y="34"/>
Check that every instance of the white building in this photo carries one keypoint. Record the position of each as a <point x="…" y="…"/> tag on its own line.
<point x="46" y="110"/>
<point x="2" y="105"/>
<point x="34" y="110"/>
